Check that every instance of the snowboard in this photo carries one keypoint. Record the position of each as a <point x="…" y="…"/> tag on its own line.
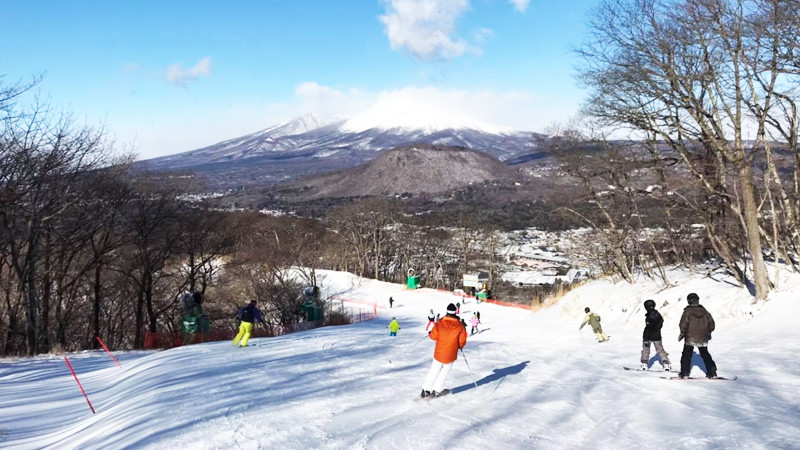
<point x="700" y="378"/>
<point x="648" y="370"/>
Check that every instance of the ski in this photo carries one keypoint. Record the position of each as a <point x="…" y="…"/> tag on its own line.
<point x="700" y="378"/>
<point x="440" y="394"/>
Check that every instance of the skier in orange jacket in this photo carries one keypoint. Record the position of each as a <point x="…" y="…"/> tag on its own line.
<point x="450" y="336"/>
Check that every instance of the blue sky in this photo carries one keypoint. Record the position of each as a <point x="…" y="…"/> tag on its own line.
<point x="170" y="76"/>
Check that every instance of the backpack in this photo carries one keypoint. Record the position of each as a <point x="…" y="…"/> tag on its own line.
<point x="187" y="303"/>
<point x="247" y="313"/>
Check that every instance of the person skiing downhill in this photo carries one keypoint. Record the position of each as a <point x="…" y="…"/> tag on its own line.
<point x="393" y="327"/>
<point x="652" y="334"/>
<point x="248" y="315"/>
<point x="696" y="327"/>
<point x="450" y="336"/>
<point x="594" y="320"/>
<point x="474" y="322"/>
<point x="431" y="320"/>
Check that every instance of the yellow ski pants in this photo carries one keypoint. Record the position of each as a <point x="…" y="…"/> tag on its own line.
<point x="244" y="334"/>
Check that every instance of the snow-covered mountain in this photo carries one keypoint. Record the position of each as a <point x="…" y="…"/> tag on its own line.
<point x="307" y="144"/>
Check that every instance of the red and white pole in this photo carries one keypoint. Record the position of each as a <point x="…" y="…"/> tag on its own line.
<point x="108" y="351"/>
<point x="79" y="384"/>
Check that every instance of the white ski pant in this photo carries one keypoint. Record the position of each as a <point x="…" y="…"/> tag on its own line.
<point x="436" y="376"/>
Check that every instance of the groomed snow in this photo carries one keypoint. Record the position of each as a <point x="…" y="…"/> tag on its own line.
<point x="540" y="383"/>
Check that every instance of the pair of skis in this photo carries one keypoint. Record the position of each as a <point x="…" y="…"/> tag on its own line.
<point x="440" y="394"/>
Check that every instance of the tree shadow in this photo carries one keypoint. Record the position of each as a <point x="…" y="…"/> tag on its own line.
<point x="719" y="280"/>
<point x="497" y="374"/>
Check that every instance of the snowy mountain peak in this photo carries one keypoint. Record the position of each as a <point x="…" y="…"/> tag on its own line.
<point x="297" y="125"/>
<point x="409" y="115"/>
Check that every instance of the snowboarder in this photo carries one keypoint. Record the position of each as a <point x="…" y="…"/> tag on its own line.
<point x="474" y="322"/>
<point x="248" y="315"/>
<point x="594" y="320"/>
<point x="450" y="336"/>
<point x="391" y="302"/>
<point x="652" y="334"/>
<point x="696" y="327"/>
<point x="431" y="320"/>
<point x="393" y="327"/>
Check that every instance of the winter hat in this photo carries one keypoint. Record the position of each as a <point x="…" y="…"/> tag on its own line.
<point x="586" y="310"/>
<point x="451" y="309"/>
<point x="693" y="299"/>
<point x="253" y="302"/>
<point x="649" y="304"/>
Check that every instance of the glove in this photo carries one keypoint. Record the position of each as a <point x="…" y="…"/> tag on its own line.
<point x="680" y="337"/>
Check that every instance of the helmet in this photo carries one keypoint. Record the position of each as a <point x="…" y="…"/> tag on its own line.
<point x="649" y="304"/>
<point x="693" y="299"/>
<point x="586" y="310"/>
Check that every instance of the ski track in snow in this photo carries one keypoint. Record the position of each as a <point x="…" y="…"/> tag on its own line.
<point x="540" y="384"/>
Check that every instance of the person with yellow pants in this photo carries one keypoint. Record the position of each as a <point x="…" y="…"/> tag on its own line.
<point x="248" y="315"/>
<point x="594" y="320"/>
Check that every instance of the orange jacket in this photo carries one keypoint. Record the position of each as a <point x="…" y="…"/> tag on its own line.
<point x="449" y="335"/>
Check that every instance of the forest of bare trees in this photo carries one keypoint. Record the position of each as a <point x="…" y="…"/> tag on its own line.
<point x="707" y="92"/>
<point x="704" y="92"/>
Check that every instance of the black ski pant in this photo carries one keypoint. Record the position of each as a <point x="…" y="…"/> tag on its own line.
<point x="686" y="360"/>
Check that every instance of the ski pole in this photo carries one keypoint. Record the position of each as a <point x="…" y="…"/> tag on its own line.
<point x="468" y="368"/>
<point x="410" y="347"/>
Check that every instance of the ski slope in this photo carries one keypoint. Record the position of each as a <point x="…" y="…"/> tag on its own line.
<point x="532" y="381"/>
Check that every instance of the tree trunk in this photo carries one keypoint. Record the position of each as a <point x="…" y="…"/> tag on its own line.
<point x="32" y="328"/>
<point x="96" y="306"/>
<point x="750" y="211"/>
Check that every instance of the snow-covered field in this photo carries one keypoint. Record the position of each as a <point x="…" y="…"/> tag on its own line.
<point x="528" y="381"/>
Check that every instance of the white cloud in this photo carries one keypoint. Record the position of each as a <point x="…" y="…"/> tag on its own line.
<point x="520" y="5"/>
<point x="521" y="110"/>
<point x="425" y="28"/>
<point x="483" y="35"/>
<point x="179" y="76"/>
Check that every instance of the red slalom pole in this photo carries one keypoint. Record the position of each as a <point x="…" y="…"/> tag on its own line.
<point x="79" y="384"/>
<point x="108" y="351"/>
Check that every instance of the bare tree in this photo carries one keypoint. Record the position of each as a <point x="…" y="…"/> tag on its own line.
<point x="44" y="155"/>
<point x="697" y="76"/>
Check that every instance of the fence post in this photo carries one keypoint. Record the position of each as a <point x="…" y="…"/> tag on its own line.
<point x="79" y="384"/>
<point x="108" y="351"/>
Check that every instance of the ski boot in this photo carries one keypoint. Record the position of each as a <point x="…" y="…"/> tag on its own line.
<point x="425" y="394"/>
<point x="667" y="367"/>
<point x="644" y="366"/>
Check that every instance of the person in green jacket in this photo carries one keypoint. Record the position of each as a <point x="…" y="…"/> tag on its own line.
<point x="393" y="327"/>
<point x="594" y="320"/>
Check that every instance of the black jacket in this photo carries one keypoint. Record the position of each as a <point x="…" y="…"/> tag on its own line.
<point x="652" y="326"/>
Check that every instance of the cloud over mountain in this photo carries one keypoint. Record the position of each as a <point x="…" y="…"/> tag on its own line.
<point x="178" y="75"/>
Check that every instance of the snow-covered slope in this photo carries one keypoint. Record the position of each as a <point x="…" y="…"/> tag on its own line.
<point x="525" y="381"/>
